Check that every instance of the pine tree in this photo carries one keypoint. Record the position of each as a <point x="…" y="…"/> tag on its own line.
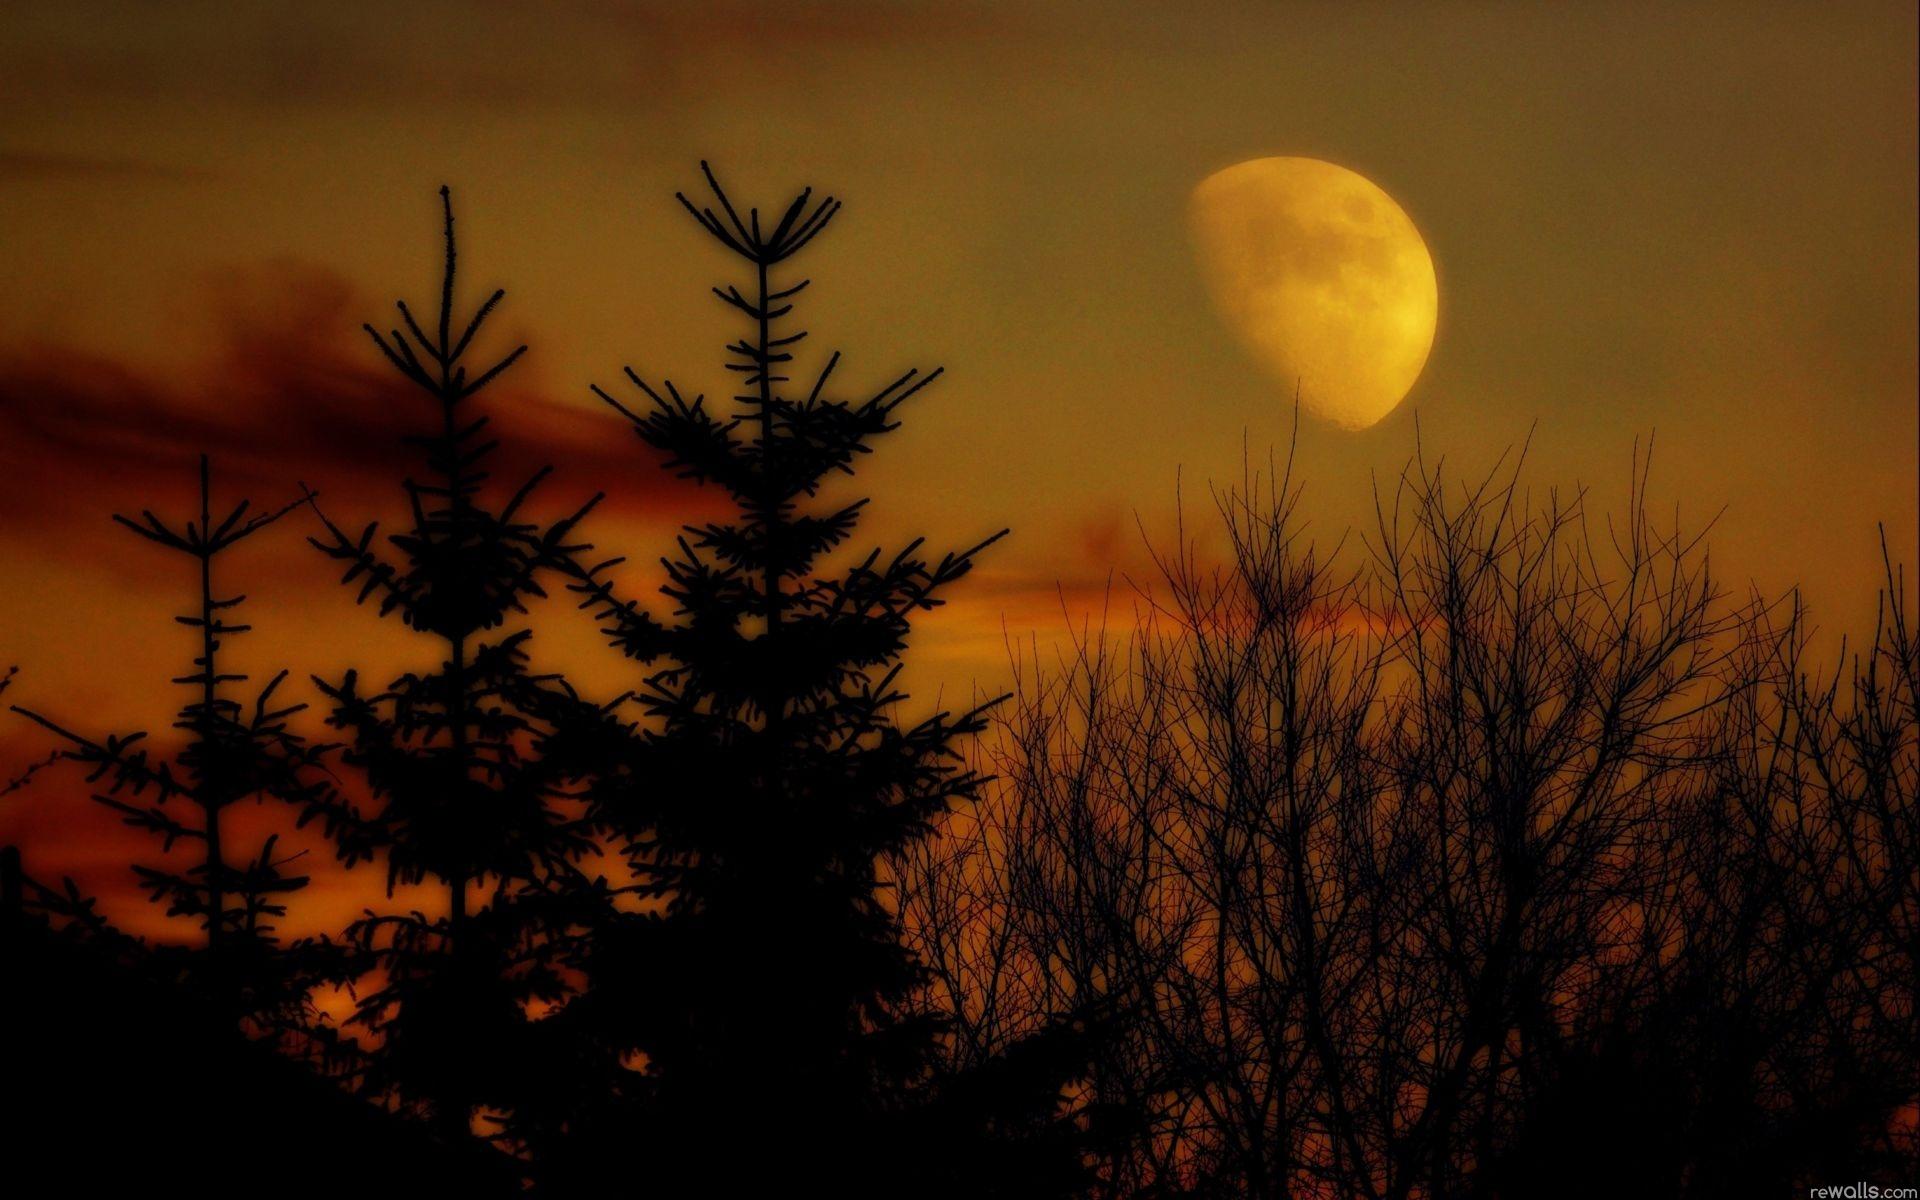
<point x="767" y="992"/>
<point x="233" y="752"/>
<point x="461" y="793"/>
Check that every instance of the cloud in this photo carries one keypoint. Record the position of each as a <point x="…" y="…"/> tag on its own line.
<point x="39" y="165"/>
<point x="292" y="393"/>
<point x="586" y="53"/>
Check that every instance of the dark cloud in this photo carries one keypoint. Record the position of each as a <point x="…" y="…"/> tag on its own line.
<point x="574" y="52"/>
<point x="293" y="393"/>
<point x="32" y="165"/>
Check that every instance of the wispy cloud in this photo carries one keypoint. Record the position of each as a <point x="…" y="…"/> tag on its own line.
<point x="574" y="52"/>
<point x="18" y="165"/>
<point x="292" y="394"/>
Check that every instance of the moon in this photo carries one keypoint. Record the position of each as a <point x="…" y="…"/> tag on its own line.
<point x="1323" y="278"/>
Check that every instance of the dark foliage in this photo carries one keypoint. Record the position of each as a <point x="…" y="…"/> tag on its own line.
<point x="122" y="1083"/>
<point x="766" y="987"/>
<point x="234" y="752"/>
<point x="458" y="788"/>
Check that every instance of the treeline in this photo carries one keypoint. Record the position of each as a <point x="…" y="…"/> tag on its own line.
<point x="1501" y="854"/>
<point x="1491" y="856"/>
<point x="666" y="960"/>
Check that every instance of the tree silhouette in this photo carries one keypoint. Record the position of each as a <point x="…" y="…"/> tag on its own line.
<point x="459" y="791"/>
<point x="771" y="786"/>
<point x="1511" y="855"/>
<point x="1512" y="860"/>
<point x="233" y="752"/>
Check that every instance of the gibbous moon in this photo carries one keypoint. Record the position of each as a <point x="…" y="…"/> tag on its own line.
<point x="1323" y="277"/>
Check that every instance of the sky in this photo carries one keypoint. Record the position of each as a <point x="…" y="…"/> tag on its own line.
<point x="1694" y="224"/>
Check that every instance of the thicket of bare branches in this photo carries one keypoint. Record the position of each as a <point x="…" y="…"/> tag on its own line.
<point x="1497" y="850"/>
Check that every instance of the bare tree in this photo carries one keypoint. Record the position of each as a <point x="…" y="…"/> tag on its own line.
<point x="1516" y="844"/>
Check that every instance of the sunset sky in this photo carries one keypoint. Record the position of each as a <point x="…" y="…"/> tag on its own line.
<point x="1695" y="223"/>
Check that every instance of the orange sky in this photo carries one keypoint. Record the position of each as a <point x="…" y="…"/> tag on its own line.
<point x="1697" y="220"/>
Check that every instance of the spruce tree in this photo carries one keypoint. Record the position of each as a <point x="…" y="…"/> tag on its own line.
<point x="767" y="995"/>
<point x="459" y="791"/>
<point x="233" y="752"/>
